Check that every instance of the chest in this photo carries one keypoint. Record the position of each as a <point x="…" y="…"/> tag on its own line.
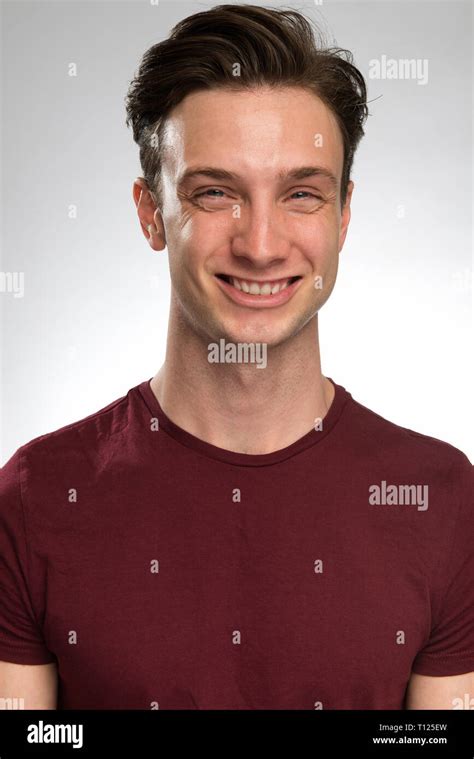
<point x="235" y="608"/>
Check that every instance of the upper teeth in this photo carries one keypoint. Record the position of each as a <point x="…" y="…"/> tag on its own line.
<point x="255" y="289"/>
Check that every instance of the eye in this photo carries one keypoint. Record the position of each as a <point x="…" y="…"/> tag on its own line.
<point x="214" y="198"/>
<point x="212" y="189"/>
<point x="304" y="192"/>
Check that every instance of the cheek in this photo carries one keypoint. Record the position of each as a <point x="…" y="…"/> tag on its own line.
<point x="196" y="241"/>
<point x="187" y="260"/>
<point x="320" y="247"/>
<point x="192" y="229"/>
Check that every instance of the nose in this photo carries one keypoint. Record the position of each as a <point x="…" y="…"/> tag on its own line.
<point x="260" y="234"/>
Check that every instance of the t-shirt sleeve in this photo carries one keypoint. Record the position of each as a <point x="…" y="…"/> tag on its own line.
<point x="450" y="648"/>
<point x="21" y="639"/>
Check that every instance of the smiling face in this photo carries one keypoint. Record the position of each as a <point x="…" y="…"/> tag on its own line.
<point x="252" y="211"/>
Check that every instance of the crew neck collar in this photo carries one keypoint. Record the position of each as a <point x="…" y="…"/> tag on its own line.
<point x="313" y="437"/>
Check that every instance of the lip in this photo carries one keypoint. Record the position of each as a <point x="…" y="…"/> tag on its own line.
<point x="258" y="301"/>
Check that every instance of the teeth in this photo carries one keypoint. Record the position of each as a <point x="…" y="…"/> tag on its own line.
<point x="255" y="289"/>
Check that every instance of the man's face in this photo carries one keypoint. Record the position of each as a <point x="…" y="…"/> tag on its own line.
<point x="256" y="223"/>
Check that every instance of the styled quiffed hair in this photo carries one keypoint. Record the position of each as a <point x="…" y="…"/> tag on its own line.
<point x="272" y="47"/>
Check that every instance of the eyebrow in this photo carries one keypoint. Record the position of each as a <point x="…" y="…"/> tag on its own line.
<point x="301" y="172"/>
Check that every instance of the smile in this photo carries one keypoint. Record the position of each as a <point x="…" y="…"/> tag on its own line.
<point x="254" y="287"/>
<point x="257" y="293"/>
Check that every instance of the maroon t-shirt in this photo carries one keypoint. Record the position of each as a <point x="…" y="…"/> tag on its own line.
<point x="160" y="571"/>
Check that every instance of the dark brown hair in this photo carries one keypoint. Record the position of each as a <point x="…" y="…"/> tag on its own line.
<point x="272" y="47"/>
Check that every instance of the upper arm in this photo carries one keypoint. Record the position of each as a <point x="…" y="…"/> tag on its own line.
<point x="453" y="692"/>
<point x="36" y="684"/>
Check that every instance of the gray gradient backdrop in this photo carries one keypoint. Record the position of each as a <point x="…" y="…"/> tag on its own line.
<point x="92" y="322"/>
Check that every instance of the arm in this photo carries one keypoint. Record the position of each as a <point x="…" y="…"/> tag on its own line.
<point x="455" y="691"/>
<point x="35" y="683"/>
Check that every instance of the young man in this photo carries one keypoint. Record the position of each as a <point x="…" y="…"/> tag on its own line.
<point x="239" y="532"/>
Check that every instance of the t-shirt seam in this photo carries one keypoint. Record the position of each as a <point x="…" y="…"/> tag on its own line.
<point x="209" y="457"/>
<point x="459" y="654"/>
<point x="255" y="465"/>
<point x="24" y="647"/>
<point x="79" y="423"/>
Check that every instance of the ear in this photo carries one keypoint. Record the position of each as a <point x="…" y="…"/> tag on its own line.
<point x="150" y="217"/>
<point x="345" y="215"/>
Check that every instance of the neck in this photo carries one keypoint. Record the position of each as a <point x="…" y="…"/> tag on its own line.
<point x="237" y="406"/>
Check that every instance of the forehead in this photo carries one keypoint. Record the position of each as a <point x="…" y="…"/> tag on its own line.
<point x="254" y="132"/>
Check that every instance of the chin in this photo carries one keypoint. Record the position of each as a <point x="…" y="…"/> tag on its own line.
<point x="270" y="334"/>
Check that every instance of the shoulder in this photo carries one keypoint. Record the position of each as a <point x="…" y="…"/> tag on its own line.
<point x="382" y="440"/>
<point x="70" y="446"/>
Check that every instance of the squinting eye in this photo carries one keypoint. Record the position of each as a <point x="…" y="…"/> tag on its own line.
<point x="303" y="192"/>
<point x="200" y="194"/>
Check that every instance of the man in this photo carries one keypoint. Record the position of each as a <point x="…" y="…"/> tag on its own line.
<point x="239" y="532"/>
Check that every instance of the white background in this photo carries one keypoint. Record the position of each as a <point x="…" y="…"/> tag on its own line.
<point x="396" y="332"/>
